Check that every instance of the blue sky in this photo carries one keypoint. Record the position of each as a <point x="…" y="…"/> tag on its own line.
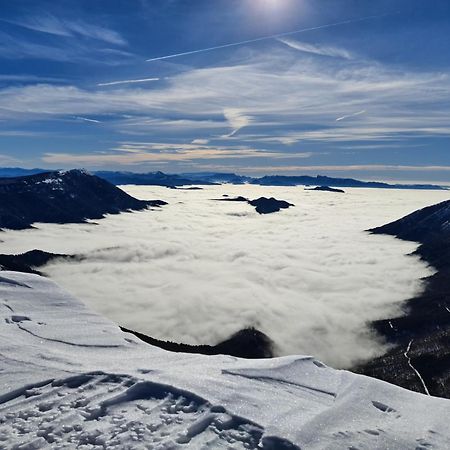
<point x="362" y="91"/>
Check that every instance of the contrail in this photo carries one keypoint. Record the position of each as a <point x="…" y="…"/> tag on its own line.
<point x="266" y="38"/>
<point x="348" y="116"/>
<point x="142" y="80"/>
<point x="85" y="119"/>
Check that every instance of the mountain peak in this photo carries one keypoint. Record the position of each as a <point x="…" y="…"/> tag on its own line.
<point x="62" y="197"/>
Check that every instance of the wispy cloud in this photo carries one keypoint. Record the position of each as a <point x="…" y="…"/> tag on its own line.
<point x="69" y="28"/>
<point x="236" y="119"/>
<point x="266" y="38"/>
<point x="129" y="153"/>
<point x="26" y="78"/>
<point x="279" y="102"/>
<point x="25" y="133"/>
<point x="73" y="51"/>
<point x="7" y="160"/>
<point x="321" y="50"/>
<point x="317" y="169"/>
<point x="199" y="98"/>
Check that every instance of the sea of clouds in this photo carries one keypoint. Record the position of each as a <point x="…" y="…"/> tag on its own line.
<point x="198" y="270"/>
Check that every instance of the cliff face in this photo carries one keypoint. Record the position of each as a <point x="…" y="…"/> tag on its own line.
<point x="420" y="359"/>
<point x="61" y="197"/>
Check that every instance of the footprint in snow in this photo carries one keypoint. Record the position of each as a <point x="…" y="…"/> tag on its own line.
<point x="116" y="412"/>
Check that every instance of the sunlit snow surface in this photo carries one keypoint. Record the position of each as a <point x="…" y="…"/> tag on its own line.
<point x="70" y="379"/>
<point x="198" y="270"/>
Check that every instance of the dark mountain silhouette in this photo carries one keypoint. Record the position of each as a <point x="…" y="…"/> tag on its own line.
<point x="211" y="178"/>
<point x="247" y="343"/>
<point x="425" y="225"/>
<point x="217" y="177"/>
<point x="232" y="199"/>
<point x="149" y="179"/>
<point x="422" y="336"/>
<point x="62" y="197"/>
<point x="10" y="172"/>
<point x="319" y="180"/>
<point x="326" y="189"/>
<point x="29" y="261"/>
<point x="192" y="188"/>
<point x="263" y="205"/>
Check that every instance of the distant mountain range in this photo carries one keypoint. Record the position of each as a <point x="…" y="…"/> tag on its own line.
<point x="212" y="178"/>
<point x="420" y="359"/>
<point x="7" y="172"/>
<point x="61" y="197"/>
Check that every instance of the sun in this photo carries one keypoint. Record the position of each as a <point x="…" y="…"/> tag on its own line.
<point x="278" y="6"/>
<point x="271" y="3"/>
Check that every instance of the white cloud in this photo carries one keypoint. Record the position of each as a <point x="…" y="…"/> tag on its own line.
<point x="7" y="159"/>
<point x="30" y="78"/>
<point x="141" y="152"/>
<point x="322" y="50"/>
<point x="199" y="270"/>
<point x="316" y="169"/>
<point x="69" y="28"/>
<point x="275" y="98"/>
<point x="74" y="51"/>
<point x="236" y="119"/>
<point x="273" y="91"/>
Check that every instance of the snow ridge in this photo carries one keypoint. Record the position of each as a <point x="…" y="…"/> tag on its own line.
<point x="71" y="379"/>
<point x="117" y="412"/>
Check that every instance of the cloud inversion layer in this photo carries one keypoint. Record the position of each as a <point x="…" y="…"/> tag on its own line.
<point x="199" y="270"/>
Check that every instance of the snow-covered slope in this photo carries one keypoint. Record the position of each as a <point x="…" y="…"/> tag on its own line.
<point x="71" y="379"/>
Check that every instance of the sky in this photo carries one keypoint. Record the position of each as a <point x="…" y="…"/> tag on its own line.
<point x="337" y="87"/>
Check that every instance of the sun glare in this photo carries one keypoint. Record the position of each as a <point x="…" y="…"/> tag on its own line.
<point x="280" y="9"/>
<point x="272" y="4"/>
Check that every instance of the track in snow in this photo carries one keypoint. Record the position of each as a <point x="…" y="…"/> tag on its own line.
<point x="104" y="411"/>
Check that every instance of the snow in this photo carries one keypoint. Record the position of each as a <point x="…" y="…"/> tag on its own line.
<point x="70" y="378"/>
<point x="52" y="181"/>
<point x="55" y="183"/>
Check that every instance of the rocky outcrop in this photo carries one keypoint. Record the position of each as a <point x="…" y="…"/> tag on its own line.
<point x="326" y="189"/>
<point x="262" y="205"/>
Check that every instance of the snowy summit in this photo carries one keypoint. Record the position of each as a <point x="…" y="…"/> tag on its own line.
<point x="71" y="379"/>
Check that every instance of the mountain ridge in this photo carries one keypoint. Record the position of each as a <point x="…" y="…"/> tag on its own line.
<point x="62" y="197"/>
<point x="159" y="178"/>
<point x="72" y="379"/>
<point x="420" y="358"/>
